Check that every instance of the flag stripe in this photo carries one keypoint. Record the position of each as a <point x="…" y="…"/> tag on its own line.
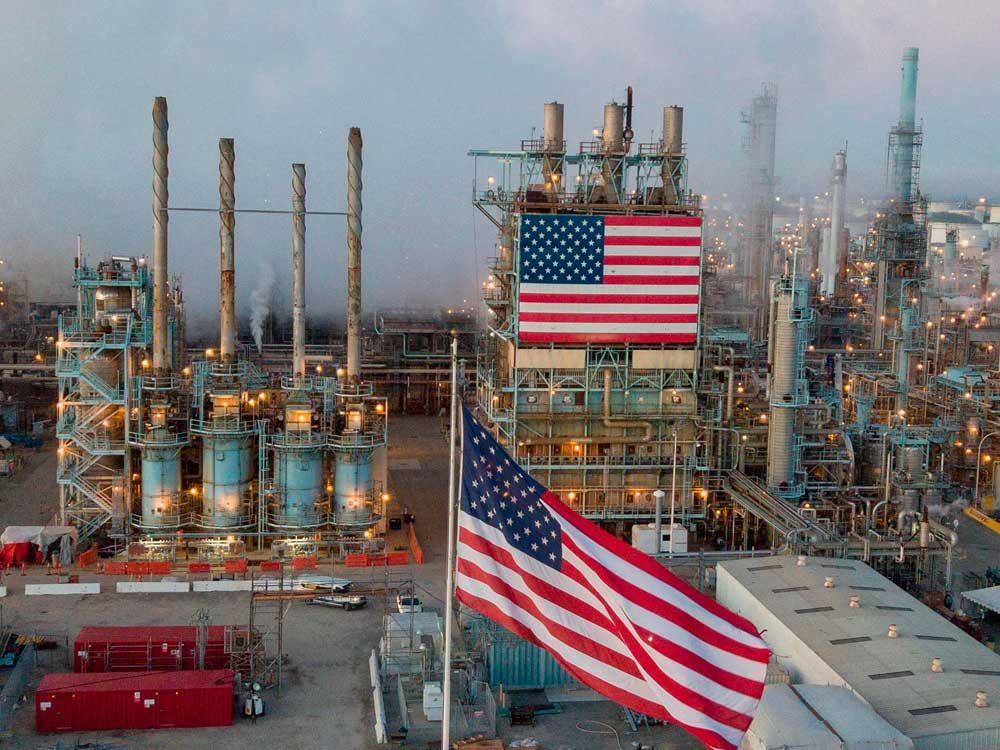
<point x="612" y="278"/>
<point x="650" y="260"/>
<point x="653" y="241"/>
<point x="583" y="309"/>
<point x="611" y="298"/>
<point x="688" y="288"/>
<point x="578" y="317"/>
<point x="542" y="337"/>
<point x="646" y="221"/>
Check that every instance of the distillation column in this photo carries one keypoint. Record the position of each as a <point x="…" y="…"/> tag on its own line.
<point x="834" y="263"/>
<point x="299" y="270"/>
<point x="763" y="126"/>
<point x="906" y="131"/>
<point x="788" y="388"/>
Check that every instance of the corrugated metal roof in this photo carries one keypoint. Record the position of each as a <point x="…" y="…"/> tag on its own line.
<point x="819" y="717"/>
<point x="988" y="598"/>
<point x="892" y="674"/>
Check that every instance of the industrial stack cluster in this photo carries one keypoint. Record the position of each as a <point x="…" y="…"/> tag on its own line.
<point x="155" y="441"/>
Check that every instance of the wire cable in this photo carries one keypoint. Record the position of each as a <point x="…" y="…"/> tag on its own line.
<point x="613" y="731"/>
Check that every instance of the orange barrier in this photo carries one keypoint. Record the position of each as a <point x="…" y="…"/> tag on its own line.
<point x="236" y="566"/>
<point x="114" y="568"/>
<point x="304" y="562"/>
<point x="415" y="548"/>
<point x="87" y="558"/>
<point x="137" y="568"/>
<point x="160" y="567"/>
<point x="270" y="565"/>
<point x="376" y="561"/>
<point x="358" y="560"/>
<point x="397" y="558"/>
<point x="199" y="567"/>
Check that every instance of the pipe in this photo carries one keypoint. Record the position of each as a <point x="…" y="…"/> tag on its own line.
<point x="728" y="369"/>
<point x="874" y="515"/>
<point x="161" y="172"/>
<point x="299" y="270"/>
<point x="902" y="516"/>
<point x="941" y="530"/>
<point x="354" y="255"/>
<point x="227" y="250"/>
<point x="623" y="423"/>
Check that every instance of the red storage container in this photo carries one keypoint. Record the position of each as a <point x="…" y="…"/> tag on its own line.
<point x="151" y="700"/>
<point x="145" y="649"/>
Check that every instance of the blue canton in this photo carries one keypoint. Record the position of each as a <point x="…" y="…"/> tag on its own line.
<point x="561" y="249"/>
<point x="501" y="494"/>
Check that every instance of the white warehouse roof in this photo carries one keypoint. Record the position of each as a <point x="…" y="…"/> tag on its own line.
<point x="819" y="717"/>
<point x="822" y="640"/>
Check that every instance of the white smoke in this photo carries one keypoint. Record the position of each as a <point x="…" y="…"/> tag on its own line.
<point x="260" y="301"/>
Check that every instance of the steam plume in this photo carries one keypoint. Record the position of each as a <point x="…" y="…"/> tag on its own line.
<point x="260" y="301"/>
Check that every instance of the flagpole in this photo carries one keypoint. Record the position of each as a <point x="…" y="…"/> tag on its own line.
<point x="449" y="614"/>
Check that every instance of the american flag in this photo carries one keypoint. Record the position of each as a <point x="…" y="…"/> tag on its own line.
<point x="616" y="619"/>
<point x="609" y="279"/>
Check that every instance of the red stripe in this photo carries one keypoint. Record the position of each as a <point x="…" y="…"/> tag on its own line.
<point x="651" y="260"/>
<point x="651" y="280"/>
<point x="608" y="317"/>
<point x="610" y="240"/>
<point x="690" y="697"/>
<point x="560" y="632"/>
<point x="653" y="221"/>
<point x="606" y="338"/>
<point x="613" y="299"/>
<point x="648" y="565"/>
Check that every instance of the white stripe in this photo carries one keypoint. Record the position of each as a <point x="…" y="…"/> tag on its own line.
<point x="600" y="307"/>
<point x="538" y="327"/>
<point x="652" y="271"/>
<point x="632" y="230"/>
<point x="657" y="588"/>
<point x="534" y="288"/>
<point x="656" y="251"/>
<point x="645" y="689"/>
<point x="633" y="614"/>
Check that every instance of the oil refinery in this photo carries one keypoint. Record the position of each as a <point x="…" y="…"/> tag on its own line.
<point x="789" y="402"/>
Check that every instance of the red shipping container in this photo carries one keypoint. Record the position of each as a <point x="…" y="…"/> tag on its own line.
<point x="145" y="649"/>
<point x="73" y="702"/>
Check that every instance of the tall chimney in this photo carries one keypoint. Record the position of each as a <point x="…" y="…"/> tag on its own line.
<point x="354" y="255"/>
<point x="906" y="129"/>
<point x="161" y="149"/>
<point x="833" y="261"/>
<point x="227" y="241"/>
<point x="299" y="270"/>
<point x="553" y="145"/>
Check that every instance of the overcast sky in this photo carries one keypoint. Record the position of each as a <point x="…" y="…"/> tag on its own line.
<point x="426" y="81"/>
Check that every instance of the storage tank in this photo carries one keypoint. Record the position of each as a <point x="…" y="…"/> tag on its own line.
<point x="161" y="485"/>
<point x="353" y="486"/>
<point x="226" y="463"/>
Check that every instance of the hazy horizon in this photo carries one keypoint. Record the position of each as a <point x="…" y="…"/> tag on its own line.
<point x="425" y="82"/>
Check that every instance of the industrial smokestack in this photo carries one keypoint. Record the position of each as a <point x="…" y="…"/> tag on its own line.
<point x="552" y="144"/>
<point x="834" y="261"/>
<point x="354" y="255"/>
<point x="160" y="200"/>
<point x="613" y="135"/>
<point x="299" y="270"/>
<point x="672" y="152"/>
<point x="227" y="241"/>
<point x="906" y="130"/>
<point x="552" y="127"/>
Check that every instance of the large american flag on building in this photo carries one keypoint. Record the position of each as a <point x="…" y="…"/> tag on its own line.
<point x="609" y="279"/>
<point x="616" y="619"/>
